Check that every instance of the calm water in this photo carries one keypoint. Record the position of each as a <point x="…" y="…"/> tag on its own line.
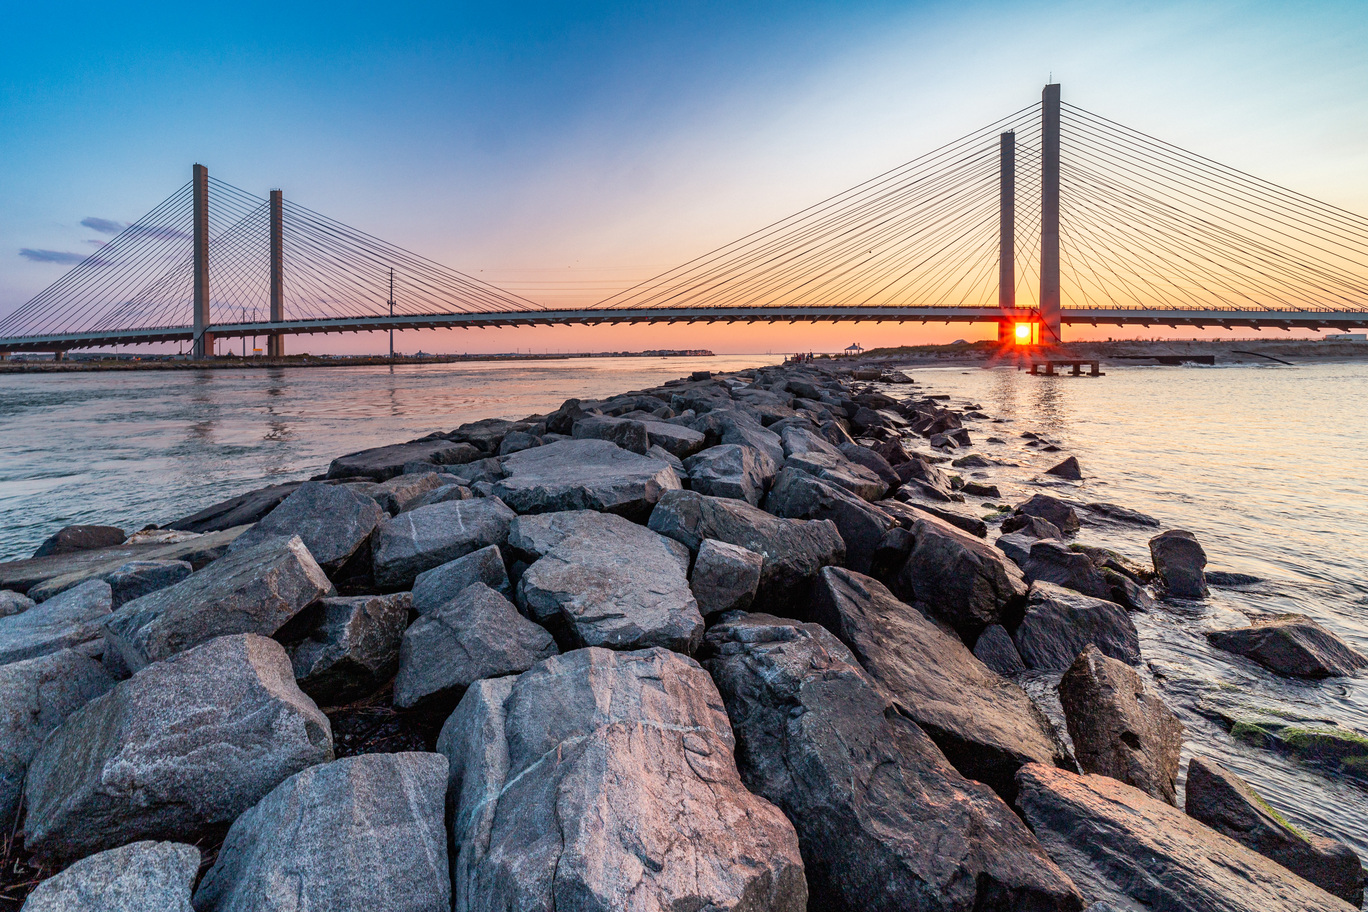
<point x="1266" y="465"/>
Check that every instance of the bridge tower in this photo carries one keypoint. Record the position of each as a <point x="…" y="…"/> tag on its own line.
<point x="203" y="344"/>
<point x="1007" y="235"/>
<point x="1049" y="215"/>
<point x="275" y="343"/>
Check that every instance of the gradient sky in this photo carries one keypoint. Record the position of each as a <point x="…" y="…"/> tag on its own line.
<point x="589" y="145"/>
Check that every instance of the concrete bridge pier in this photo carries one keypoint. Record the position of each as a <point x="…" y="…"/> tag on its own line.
<point x="275" y="343"/>
<point x="1049" y="216"/>
<point x="203" y="345"/>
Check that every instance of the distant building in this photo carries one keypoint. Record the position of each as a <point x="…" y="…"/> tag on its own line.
<point x="1347" y="337"/>
<point x="853" y="348"/>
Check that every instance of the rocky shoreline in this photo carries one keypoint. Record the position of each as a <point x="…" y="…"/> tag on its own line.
<point x="745" y="642"/>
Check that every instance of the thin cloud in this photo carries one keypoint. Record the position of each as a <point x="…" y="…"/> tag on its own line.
<point x="52" y="256"/>
<point x="103" y="225"/>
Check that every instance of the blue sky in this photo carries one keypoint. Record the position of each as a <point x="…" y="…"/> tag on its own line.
<point x="605" y="141"/>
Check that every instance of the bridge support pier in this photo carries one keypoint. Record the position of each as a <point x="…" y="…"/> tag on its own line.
<point x="1007" y="235"/>
<point x="1049" y="215"/>
<point x="203" y="346"/>
<point x="275" y="343"/>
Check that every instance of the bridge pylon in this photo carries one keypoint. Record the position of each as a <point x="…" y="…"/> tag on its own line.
<point x="1007" y="235"/>
<point x="1049" y="215"/>
<point x="275" y="343"/>
<point x="202" y="345"/>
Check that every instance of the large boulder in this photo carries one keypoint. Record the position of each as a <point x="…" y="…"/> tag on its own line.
<point x="364" y="832"/>
<point x="1032" y="527"/>
<point x="1179" y="561"/>
<point x="1053" y="510"/>
<point x="1059" y="623"/>
<point x="12" y="603"/>
<point x="404" y="492"/>
<point x="333" y="521"/>
<point x="70" y="620"/>
<point x="434" y="588"/>
<point x="354" y="649"/>
<point x="138" y="877"/>
<point x="986" y="725"/>
<point x="36" y="696"/>
<point x="137" y="578"/>
<point x="960" y="579"/>
<point x="862" y="525"/>
<point x="1121" y="846"/>
<point x="1227" y="804"/>
<point x="254" y="590"/>
<point x="242" y="510"/>
<point x="731" y="470"/>
<point x="733" y="425"/>
<point x="478" y="634"/>
<point x="799" y="441"/>
<point x="871" y="460"/>
<point x="1052" y="561"/>
<point x="794" y="549"/>
<point x="839" y="471"/>
<point x="626" y="433"/>
<point x="80" y="538"/>
<point x="1119" y="727"/>
<point x="676" y="439"/>
<point x="919" y="473"/>
<point x="602" y="781"/>
<point x="385" y="462"/>
<point x="725" y="577"/>
<point x="613" y="583"/>
<point x="182" y="747"/>
<point x="1291" y="644"/>
<point x="883" y="820"/>
<point x="410" y="543"/>
<point x="584" y="475"/>
<point x="995" y="649"/>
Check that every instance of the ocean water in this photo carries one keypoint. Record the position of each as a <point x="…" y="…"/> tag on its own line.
<point x="1266" y="465"/>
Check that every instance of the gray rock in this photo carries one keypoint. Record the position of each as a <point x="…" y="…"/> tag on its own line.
<point x="987" y="726"/>
<point x="584" y="475"/>
<point x="332" y="521"/>
<point x="794" y="549"/>
<point x="138" y="877"/>
<point x="883" y="820"/>
<point x="180" y="748"/>
<point x="841" y="472"/>
<point x="534" y="536"/>
<point x="72" y="620"/>
<point x="81" y="538"/>
<point x="427" y="537"/>
<point x="920" y="473"/>
<point x="1053" y="510"/>
<point x="442" y="494"/>
<point x="478" y="634"/>
<point x="515" y="441"/>
<point x="959" y="578"/>
<point x="1178" y="561"/>
<point x="871" y="460"/>
<point x="665" y="456"/>
<point x="385" y="462"/>
<point x="1051" y="561"/>
<point x="676" y="439"/>
<point x="36" y="695"/>
<point x="996" y="650"/>
<point x="1060" y="622"/>
<point x="487" y="434"/>
<point x="253" y="590"/>
<point x="354" y="649"/>
<point x="613" y="583"/>
<point x="434" y="588"/>
<point x="1016" y="545"/>
<point x="474" y="472"/>
<point x="242" y="510"/>
<point x="137" y="578"/>
<point x="862" y="525"/>
<point x="725" y="577"/>
<point x="731" y="470"/>
<point x="12" y="603"/>
<point x="734" y="425"/>
<point x="364" y="832"/>
<point x="603" y="780"/>
<point x="1122" y="514"/>
<point x="403" y="492"/>
<point x="1068" y="469"/>
<point x="960" y="517"/>
<point x="1226" y="803"/>
<point x="1121" y="846"/>
<point x="1120" y="728"/>
<point x="1291" y="644"/>
<point x="626" y="433"/>
<point x="799" y="441"/>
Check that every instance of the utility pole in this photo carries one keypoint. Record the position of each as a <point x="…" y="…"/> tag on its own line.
<point x="1049" y="215"/>
<point x="391" y="304"/>
<point x="204" y="340"/>
<point x="1006" y="235"/>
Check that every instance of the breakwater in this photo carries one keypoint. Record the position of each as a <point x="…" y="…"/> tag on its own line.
<point x="875" y="578"/>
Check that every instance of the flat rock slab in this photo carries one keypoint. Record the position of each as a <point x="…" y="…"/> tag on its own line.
<point x="182" y="747"/>
<point x="960" y="579"/>
<point x="986" y="725"/>
<point x="884" y="821"/>
<point x="385" y="462"/>
<point x="254" y="590"/>
<point x="35" y="697"/>
<point x="1121" y="728"/>
<point x="1291" y="644"/>
<point x="603" y="781"/>
<point x="794" y="549"/>
<point x="616" y="584"/>
<point x="333" y="521"/>
<point x="365" y="832"/>
<point x="1060" y="622"/>
<point x="427" y="537"/>
<point x="72" y="620"/>
<point x="354" y="649"/>
<point x="478" y="634"/>
<point x="434" y="588"/>
<point x="138" y="877"/>
<point x="1227" y="804"/>
<point x="1121" y="846"/>
<point x="584" y="475"/>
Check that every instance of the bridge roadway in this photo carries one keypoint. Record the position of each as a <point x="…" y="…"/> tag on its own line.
<point x="1094" y="316"/>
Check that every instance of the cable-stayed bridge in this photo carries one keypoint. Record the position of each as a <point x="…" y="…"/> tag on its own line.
<point x="1052" y="216"/>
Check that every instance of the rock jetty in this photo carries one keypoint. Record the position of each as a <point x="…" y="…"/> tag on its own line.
<point x="760" y="642"/>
